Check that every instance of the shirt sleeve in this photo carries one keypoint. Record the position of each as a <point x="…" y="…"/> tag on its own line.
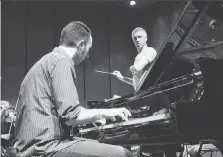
<point x="64" y="90"/>
<point x="149" y="54"/>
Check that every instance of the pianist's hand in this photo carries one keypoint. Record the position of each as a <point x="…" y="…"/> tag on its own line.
<point x="113" y="98"/>
<point x="100" y="122"/>
<point x="123" y="113"/>
<point x="118" y="74"/>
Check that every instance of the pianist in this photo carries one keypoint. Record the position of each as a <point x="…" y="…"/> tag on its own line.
<point x="143" y="59"/>
<point x="48" y="104"/>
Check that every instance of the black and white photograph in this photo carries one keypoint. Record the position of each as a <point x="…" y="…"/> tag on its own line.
<point x="111" y="78"/>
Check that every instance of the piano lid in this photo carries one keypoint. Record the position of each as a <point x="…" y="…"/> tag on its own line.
<point x="173" y="43"/>
<point x="215" y="9"/>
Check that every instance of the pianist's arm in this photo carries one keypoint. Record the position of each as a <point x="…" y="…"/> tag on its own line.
<point x="87" y="116"/>
<point x="66" y="99"/>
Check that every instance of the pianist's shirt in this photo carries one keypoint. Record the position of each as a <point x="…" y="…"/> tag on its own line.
<point x="47" y="99"/>
<point x="147" y="53"/>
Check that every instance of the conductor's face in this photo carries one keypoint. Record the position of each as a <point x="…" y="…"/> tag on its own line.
<point x="139" y="39"/>
<point x="83" y="51"/>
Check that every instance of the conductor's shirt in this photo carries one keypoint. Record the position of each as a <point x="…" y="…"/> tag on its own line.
<point x="147" y="53"/>
<point x="47" y="99"/>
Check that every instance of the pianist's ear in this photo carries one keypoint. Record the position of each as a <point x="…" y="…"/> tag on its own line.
<point x="81" y="44"/>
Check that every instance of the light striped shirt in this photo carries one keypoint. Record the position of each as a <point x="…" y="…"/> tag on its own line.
<point x="47" y="99"/>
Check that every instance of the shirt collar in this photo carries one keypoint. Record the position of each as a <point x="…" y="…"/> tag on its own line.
<point x="62" y="52"/>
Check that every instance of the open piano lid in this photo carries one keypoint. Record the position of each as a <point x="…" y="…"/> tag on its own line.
<point x="168" y="49"/>
<point x="152" y="74"/>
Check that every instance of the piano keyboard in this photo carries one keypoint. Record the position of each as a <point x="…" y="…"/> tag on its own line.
<point x="130" y="122"/>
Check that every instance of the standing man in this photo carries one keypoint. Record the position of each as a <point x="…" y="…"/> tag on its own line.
<point x="49" y="105"/>
<point x="143" y="59"/>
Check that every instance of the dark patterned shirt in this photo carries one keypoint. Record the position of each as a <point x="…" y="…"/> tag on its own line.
<point x="47" y="99"/>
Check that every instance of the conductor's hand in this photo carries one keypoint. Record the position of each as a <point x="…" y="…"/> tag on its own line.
<point x="123" y="113"/>
<point x="118" y="75"/>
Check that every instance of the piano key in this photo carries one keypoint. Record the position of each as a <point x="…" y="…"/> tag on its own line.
<point x="130" y="122"/>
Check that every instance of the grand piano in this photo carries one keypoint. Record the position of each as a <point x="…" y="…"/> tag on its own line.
<point x="179" y="99"/>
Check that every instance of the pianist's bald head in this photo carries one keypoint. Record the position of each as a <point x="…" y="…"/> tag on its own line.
<point x="74" y="32"/>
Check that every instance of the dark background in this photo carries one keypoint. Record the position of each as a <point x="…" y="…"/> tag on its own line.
<point x="32" y="29"/>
